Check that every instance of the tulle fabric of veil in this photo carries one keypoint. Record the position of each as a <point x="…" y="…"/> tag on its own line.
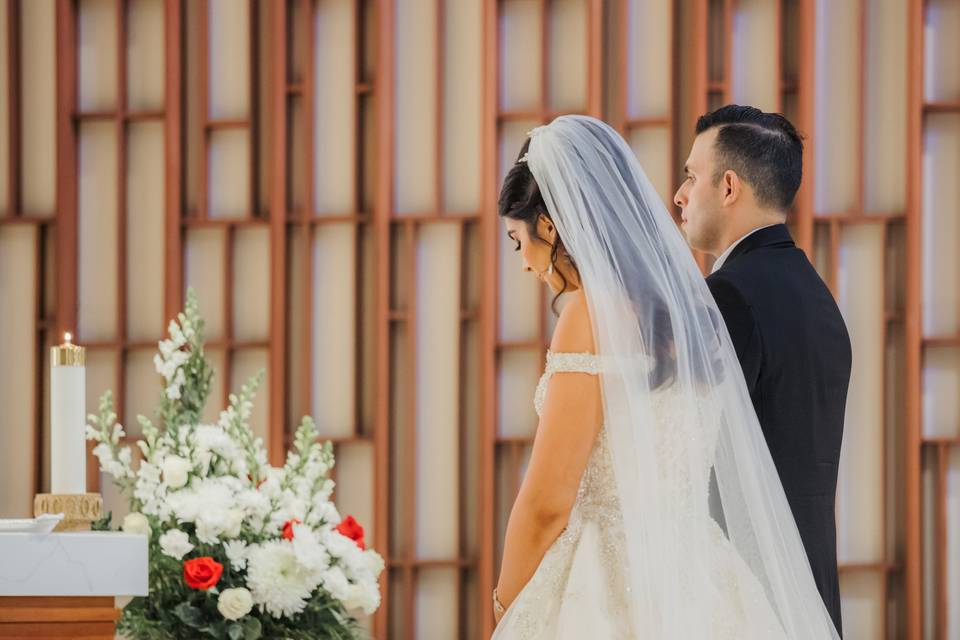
<point x="658" y="331"/>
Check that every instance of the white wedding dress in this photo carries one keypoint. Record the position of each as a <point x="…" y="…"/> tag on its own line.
<point x="580" y="589"/>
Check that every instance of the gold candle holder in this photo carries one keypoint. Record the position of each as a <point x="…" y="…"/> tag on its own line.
<point x="67" y="354"/>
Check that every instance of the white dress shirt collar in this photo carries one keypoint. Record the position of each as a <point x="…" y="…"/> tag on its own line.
<point x="726" y="254"/>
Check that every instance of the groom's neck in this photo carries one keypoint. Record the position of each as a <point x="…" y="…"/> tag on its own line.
<point x="748" y="223"/>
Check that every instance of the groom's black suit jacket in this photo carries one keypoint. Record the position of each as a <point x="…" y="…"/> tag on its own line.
<point x="795" y="353"/>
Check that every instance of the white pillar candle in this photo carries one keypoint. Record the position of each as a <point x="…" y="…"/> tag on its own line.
<point x="68" y="449"/>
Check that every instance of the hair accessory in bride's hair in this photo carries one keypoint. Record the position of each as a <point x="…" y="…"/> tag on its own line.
<point x="523" y="158"/>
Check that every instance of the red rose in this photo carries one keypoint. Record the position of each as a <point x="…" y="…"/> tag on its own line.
<point x="288" y="529"/>
<point x="352" y="529"/>
<point x="202" y="573"/>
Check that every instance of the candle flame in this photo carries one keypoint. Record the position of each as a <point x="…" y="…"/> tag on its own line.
<point x="67" y="337"/>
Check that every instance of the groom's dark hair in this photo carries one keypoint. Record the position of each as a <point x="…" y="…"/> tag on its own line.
<point x="763" y="149"/>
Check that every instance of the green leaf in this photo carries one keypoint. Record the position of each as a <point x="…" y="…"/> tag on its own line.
<point x="189" y="615"/>
<point x="252" y="629"/>
<point x="103" y="524"/>
<point x="235" y="631"/>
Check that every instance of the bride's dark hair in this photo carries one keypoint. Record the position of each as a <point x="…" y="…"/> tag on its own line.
<point x="520" y="199"/>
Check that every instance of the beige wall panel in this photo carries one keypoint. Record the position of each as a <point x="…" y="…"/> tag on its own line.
<point x="520" y="55"/>
<point x="941" y="400"/>
<point x="334" y="115"/>
<point x="145" y="53"/>
<point x="652" y="148"/>
<point x="146" y="236"/>
<point x="334" y="330"/>
<point x="229" y="33"/>
<point x="885" y="117"/>
<point x="837" y="107"/>
<point x="756" y="39"/>
<point x="941" y="59"/>
<point x="415" y="118"/>
<point x="354" y="491"/>
<point x="941" y="225"/>
<point x="862" y="605"/>
<point x="4" y="126"/>
<point x="567" y="68"/>
<point x="953" y="542"/>
<point x="203" y="256"/>
<point x="38" y="114"/>
<point x="462" y="105"/>
<point x="648" y="58"/>
<point x="97" y="244"/>
<point x="517" y="379"/>
<point x="229" y="176"/>
<point x="436" y="604"/>
<point x="860" y="493"/>
<point x="18" y="296"/>
<point x="97" y="55"/>
<point x="438" y="390"/>
<point x="246" y="364"/>
<point x="251" y="284"/>
<point x="143" y="389"/>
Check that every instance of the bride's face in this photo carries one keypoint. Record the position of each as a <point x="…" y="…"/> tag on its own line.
<point x="535" y="253"/>
<point x="700" y="197"/>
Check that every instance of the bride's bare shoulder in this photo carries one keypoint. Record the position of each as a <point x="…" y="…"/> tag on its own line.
<point x="574" y="332"/>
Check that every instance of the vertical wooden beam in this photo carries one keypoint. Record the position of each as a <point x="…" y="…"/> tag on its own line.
<point x="14" y="202"/>
<point x="488" y="313"/>
<point x="278" y="229"/>
<point x="806" y="94"/>
<point x="173" y="165"/>
<point x="383" y="204"/>
<point x="913" y="581"/>
<point x="66" y="216"/>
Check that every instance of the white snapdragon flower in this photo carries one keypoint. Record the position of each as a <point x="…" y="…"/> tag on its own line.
<point x="175" y="543"/>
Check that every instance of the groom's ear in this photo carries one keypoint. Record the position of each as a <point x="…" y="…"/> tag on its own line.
<point x="732" y="187"/>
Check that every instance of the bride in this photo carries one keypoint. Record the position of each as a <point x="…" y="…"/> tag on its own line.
<point x="614" y="533"/>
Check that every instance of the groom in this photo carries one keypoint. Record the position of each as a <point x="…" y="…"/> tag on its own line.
<point x="741" y="176"/>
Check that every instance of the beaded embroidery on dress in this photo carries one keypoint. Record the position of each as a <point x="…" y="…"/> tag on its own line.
<point x="580" y="590"/>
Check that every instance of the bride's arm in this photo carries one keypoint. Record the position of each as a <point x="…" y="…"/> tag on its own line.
<point x="570" y="420"/>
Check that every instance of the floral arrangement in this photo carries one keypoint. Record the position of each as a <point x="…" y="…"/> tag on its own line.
<point x="238" y="549"/>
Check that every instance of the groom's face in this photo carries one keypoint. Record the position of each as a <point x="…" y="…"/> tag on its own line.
<point x="699" y="198"/>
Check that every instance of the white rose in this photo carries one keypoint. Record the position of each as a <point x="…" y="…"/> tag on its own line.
<point x="136" y="523"/>
<point x="175" y="471"/>
<point x="175" y="543"/>
<point x="233" y="604"/>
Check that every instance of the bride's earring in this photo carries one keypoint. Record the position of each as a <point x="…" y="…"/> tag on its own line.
<point x="550" y="270"/>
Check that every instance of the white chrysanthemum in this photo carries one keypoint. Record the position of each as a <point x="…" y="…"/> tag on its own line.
<point x="336" y="584"/>
<point x="310" y="552"/>
<point x="175" y="543"/>
<point x="279" y="584"/>
<point x="236" y="551"/>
